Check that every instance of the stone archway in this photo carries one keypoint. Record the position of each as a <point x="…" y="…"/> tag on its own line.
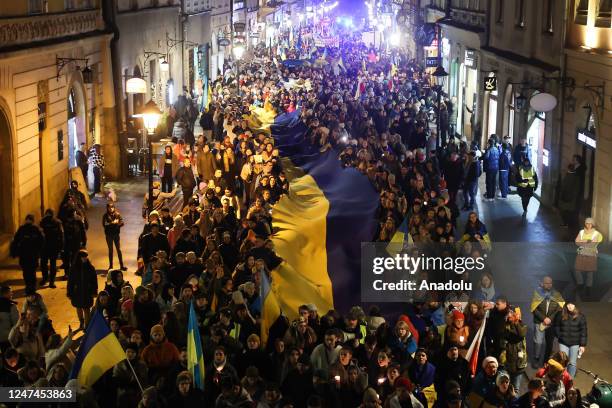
<point x="6" y="176"/>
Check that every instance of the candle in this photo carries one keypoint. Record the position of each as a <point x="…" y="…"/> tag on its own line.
<point x="381" y="380"/>
<point x="337" y="378"/>
<point x="461" y="338"/>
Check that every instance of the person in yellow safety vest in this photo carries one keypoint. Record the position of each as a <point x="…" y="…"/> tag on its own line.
<point x="232" y="328"/>
<point x="527" y="183"/>
<point x="354" y="330"/>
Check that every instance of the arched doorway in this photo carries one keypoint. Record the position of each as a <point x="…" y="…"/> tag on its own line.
<point x="6" y="176"/>
<point x="77" y="134"/>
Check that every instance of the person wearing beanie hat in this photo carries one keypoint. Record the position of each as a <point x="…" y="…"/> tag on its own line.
<point x="253" y="383"/>
<point x="452" y="367"/>
<point x="485" y="379"/>
<point x="554" y="389"/>
<point x="503" y="395"/>
<point x="457" y="332"/>
<point x="254" y="356"/>
<point x="127" y="385"/>
<point x="160" y="354"/>
<point x="186" y="394"/>
<point x="586" y="262"/>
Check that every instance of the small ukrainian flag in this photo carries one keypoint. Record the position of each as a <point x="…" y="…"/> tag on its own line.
<point x="99" y="352"/>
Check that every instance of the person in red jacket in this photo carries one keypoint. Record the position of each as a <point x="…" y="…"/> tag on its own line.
<point x="160" y="354"/>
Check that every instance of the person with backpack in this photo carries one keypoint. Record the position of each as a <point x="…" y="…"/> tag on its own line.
<point x="54" y="244"/>
<point x="27" y="245"/>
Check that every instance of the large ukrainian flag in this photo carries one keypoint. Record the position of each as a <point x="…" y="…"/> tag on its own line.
<point x="99" y="352"/>
<point x="319" y="226"/>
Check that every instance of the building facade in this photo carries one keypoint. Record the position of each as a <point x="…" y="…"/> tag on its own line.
<point x="586" y="125"/>
<point x="461" y="26"/>
<point x="146" y="47"/>
<point x="56" y="93"/>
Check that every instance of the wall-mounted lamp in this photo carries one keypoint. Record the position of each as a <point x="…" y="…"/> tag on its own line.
<point x="60" y="63"/>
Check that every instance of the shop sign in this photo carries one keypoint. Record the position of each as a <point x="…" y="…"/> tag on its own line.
<point x="471" y="58"/>
<point x="223" y="42"/>
<point x="490" y="84"/>
<point x="431" y="62"/>
<point x="586" y="138"/>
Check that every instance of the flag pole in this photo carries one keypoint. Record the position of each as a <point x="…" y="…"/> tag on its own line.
<point x="135" y="375"/>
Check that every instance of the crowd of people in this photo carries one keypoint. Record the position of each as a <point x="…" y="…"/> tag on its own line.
<point x="373" y="110"/>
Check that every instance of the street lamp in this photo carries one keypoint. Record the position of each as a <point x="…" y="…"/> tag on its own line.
<point x="150" y="115"/>
<point x="440" y="78"/>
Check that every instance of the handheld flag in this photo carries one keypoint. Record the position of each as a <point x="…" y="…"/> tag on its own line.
<point x="195" y="357"/>
<point x="472" y="353"/>
<point x="270" y="310"/>
<point x="99" y="352"/>
<point x="399" y="239"/>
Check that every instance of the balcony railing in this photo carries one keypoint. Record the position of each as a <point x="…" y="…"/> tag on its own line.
<point x="41" y="27"/>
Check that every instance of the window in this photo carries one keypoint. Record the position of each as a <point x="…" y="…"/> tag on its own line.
<point x="500" y="11"/>
<point x="37" y="6"/>
<point x="582" y="11"/>
<point x="547" y="26"/>
<point x="69" y="4"/>
<point x="520" y="13"/>
<point x="603" y="13"/>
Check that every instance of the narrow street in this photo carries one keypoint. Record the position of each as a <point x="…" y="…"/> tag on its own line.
<point x="503" y="220"/>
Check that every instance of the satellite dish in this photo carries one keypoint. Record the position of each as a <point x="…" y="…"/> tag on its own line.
<point x="543" y="102"/>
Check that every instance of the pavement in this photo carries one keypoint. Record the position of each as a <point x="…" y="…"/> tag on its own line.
<point x="502" y="218"/>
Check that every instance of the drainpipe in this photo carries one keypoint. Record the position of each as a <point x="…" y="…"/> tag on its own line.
<point x="109" y="13"/>
<point x="562" y="106"/>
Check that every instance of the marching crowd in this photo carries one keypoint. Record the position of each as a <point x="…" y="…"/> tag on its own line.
<point x="373" y="110"/>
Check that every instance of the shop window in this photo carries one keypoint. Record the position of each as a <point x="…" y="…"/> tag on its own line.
<point x="547" y="26"/>
<point x="520" y="13"/>
<point x="582" y="12"/>
<point x="500" y="11"/>
<point x="603" y="13"/>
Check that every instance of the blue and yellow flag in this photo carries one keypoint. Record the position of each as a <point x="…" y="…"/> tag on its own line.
<point x="195" y="357"/>
<point x="270" y="309"/>
<point x="400" y="239"/>
<point x="99" y="352"/>
<point x="319" y="225"/>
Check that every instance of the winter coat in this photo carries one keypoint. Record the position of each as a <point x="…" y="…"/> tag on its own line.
<point x="185" y="178"/>
<point x="75" y="237"/>
<point x="206" y="165"/>
<point x="491" y="159"/>
<point x="505" y="159"/>
<point x="160" y="355"/>
<point x="571" y="331"/>
<point x="147" y="315"/>
<point x="112" y="223"/>
<point x="9" y="315"/>
<point x="27" y="244"/>
<point x="82" y="284"/>
<point x="195" y="398"/>
<point x="514" y="357"/>
<point x="422" y="375"/>
<point x="150" y="244"/>
<point x="569" y="197"/>
<point x="54" y="235"/>
<point x="472" y="172"/>
<point x="448" y="369"/>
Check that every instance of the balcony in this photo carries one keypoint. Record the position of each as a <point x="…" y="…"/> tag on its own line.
<point x="18" y="31"/>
